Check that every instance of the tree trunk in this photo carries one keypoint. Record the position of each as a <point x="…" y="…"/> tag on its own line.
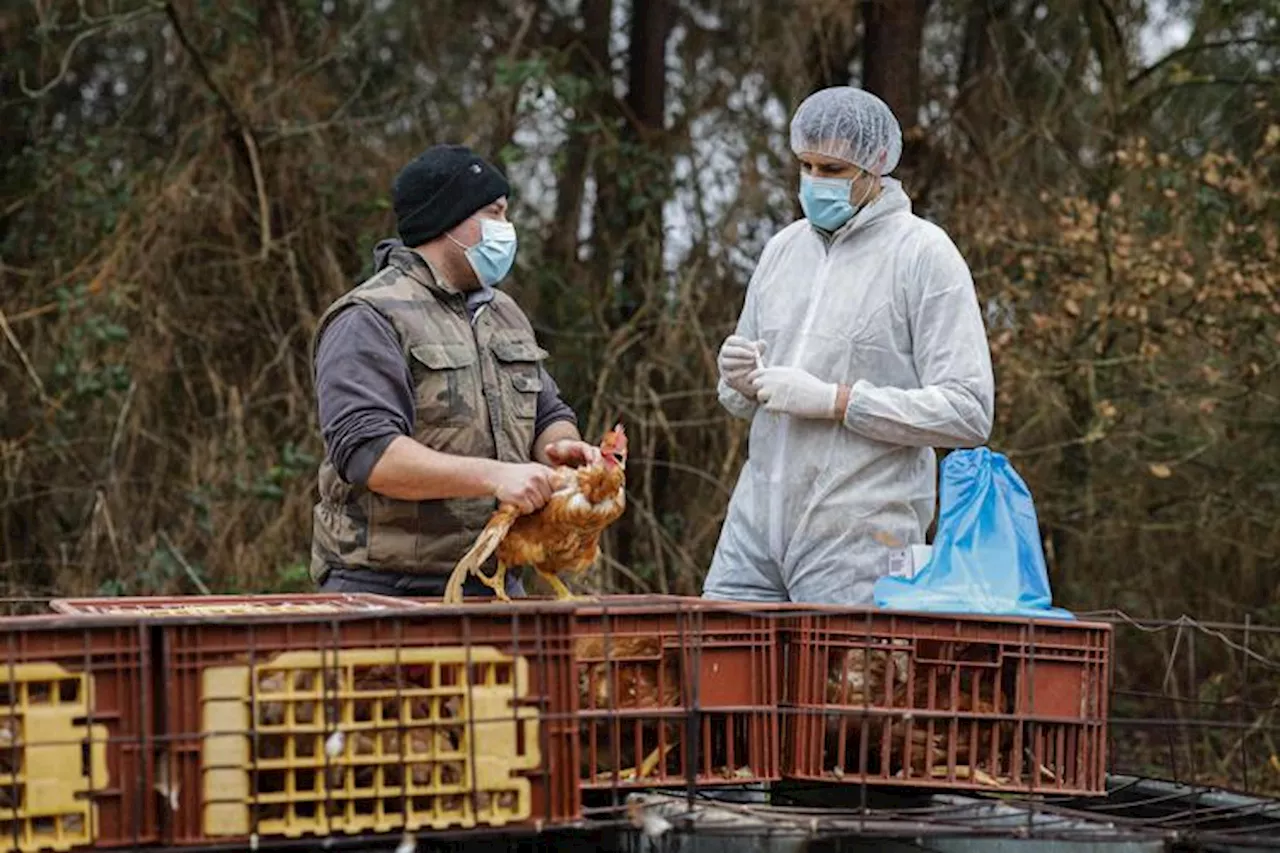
<point x="647" y="74"/>
<point x="642" y="184"/>
<point x="589" y="61"/>
<point x="1108" y="46"/>
<point x="645" y="143"/>
<point x="891" y="55"/>
<point x="830" y="63"/>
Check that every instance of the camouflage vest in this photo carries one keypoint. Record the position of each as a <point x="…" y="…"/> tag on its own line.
<point x="476" y="394"/>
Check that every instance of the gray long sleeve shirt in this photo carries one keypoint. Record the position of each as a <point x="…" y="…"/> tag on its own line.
<point x="364" y="389"/>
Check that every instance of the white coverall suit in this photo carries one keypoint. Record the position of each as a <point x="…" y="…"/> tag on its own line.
<point x="886" y="305"/>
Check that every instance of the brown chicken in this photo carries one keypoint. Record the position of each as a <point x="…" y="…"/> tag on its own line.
<point x="860" y="678"/>
<point x="563" y="537"/>
<point x="626" y="673"/>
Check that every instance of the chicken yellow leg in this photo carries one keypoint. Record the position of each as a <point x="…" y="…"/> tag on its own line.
<point x="497" y="583"/>
<point x="647" y="766"/>
<point x="563" y="593"/>
<point x="652" y="760"/>
<point x="486" y="543"/>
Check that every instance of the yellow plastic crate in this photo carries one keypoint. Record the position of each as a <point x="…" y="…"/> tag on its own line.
<point x="44" y="785"/>
<point x="315" y="743"/>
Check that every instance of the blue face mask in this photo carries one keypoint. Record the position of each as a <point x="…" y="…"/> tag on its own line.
<point x="825" y="201"/>
<point x="493" y="256"/>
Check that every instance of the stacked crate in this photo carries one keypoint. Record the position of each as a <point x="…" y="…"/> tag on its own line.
<point x="232" y="721"/>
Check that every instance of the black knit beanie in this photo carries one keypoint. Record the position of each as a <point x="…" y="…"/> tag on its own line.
<point x="441" y="187"/>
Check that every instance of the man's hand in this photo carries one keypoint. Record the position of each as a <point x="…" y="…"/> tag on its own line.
<point x="738" y="357"/>
<point x="794" y="391"/>
<point x="526" y="485"/>
<point x="572" y="452"/>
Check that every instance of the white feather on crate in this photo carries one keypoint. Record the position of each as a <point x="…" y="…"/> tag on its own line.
<point x="335" y="744"/>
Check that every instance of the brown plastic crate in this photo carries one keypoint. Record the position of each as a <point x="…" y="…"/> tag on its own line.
<point x="75" y="747"/>
<point x="431" y="696"/>
<point x="671" y="688"/>
<point x="275" y="606"/>
<point x="928" y="700"/>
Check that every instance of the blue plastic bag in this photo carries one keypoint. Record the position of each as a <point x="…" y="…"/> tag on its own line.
<point x="987" y="556"/>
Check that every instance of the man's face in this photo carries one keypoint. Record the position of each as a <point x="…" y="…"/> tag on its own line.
<point x="822" y="166"/>
<point x="467" y="234"/>
<point x="468" y="231"/>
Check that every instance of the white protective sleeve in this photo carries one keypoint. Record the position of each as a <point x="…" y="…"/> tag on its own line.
<point x="953" y="407"/>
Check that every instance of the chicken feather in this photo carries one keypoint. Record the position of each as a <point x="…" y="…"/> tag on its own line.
<point x="563" y="537"/>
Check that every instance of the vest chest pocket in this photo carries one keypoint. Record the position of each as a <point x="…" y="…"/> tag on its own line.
<point x="518" y="362"/>
<point x="447" y="387"/>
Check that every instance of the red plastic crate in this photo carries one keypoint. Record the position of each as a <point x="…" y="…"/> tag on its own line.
<point x="275" y="606"/>
<point x="671" y="688"/>
<point x="75" y="746"/>
<point x="927" y="700"/>
<point x="433" y="705"/>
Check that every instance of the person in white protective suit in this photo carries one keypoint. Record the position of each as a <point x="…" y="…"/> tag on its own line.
<point x="860" y="348"/>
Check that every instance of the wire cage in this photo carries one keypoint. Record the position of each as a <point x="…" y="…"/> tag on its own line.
<point x="1197" y="703"/>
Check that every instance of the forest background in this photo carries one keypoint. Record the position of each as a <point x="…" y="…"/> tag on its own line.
<point x="186" y="185"/>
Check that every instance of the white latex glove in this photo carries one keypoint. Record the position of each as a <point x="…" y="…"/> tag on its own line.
<point x="738" y="357"/>
<point x="794" y="391"/>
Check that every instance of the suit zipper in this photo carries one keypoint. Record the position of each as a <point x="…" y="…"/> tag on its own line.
<point x="494" y="404"/>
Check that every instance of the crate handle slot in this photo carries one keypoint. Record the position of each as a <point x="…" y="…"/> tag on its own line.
<point x="50" y="773"/>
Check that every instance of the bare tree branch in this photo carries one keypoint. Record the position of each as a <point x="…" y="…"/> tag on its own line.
<point x="1188" y="50"/>
<point x="238" y="122"/>
<point x="96" y="26"/>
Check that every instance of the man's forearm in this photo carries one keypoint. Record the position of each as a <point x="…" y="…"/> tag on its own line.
<point x="410" y="471"/>
<point x="557" y="431"/>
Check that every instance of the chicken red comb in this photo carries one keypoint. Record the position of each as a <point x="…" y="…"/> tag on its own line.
<point x="615" y="438"/>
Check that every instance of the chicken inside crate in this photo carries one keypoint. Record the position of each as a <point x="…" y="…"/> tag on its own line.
<point x="947" y="712"/>
<point x="356" y="740"/>
<point x="652" y="716"/>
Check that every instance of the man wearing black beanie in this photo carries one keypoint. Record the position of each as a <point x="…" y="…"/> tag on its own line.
<point x="433" y="401"/>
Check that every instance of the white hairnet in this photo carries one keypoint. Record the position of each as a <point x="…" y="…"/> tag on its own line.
<point x="850" y="124"/>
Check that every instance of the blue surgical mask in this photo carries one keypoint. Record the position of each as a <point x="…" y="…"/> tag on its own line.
<point x="493" y="256"/>
<point x="825" y="201"/>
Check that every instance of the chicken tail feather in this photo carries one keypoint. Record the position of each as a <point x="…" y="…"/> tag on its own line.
<point x="486" y="543"/>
